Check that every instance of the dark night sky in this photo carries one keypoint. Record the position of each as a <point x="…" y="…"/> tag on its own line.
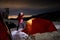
<point x="30" y="6"/>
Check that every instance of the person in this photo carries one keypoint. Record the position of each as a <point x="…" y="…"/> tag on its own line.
<point x="4" y="31"/>
<point x="20" y="21"/>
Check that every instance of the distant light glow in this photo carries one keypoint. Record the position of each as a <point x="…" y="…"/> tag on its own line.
<point x="15" y="16"/>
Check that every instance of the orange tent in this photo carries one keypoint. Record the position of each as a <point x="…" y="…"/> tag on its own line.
<point x="39" y="25"/>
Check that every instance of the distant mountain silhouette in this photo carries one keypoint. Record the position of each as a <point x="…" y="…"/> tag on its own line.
<point x="54" y="16"/>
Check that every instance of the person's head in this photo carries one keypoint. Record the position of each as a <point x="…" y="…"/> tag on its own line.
<point x="21" y="14"/>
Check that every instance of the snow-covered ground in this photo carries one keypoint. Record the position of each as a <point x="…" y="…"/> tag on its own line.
<point x="45" y="36"/>
<point x="57" y="25"/>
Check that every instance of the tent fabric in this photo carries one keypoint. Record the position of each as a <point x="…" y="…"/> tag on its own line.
<point x="39" y="25"/>
<point x="4" y="35"/>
